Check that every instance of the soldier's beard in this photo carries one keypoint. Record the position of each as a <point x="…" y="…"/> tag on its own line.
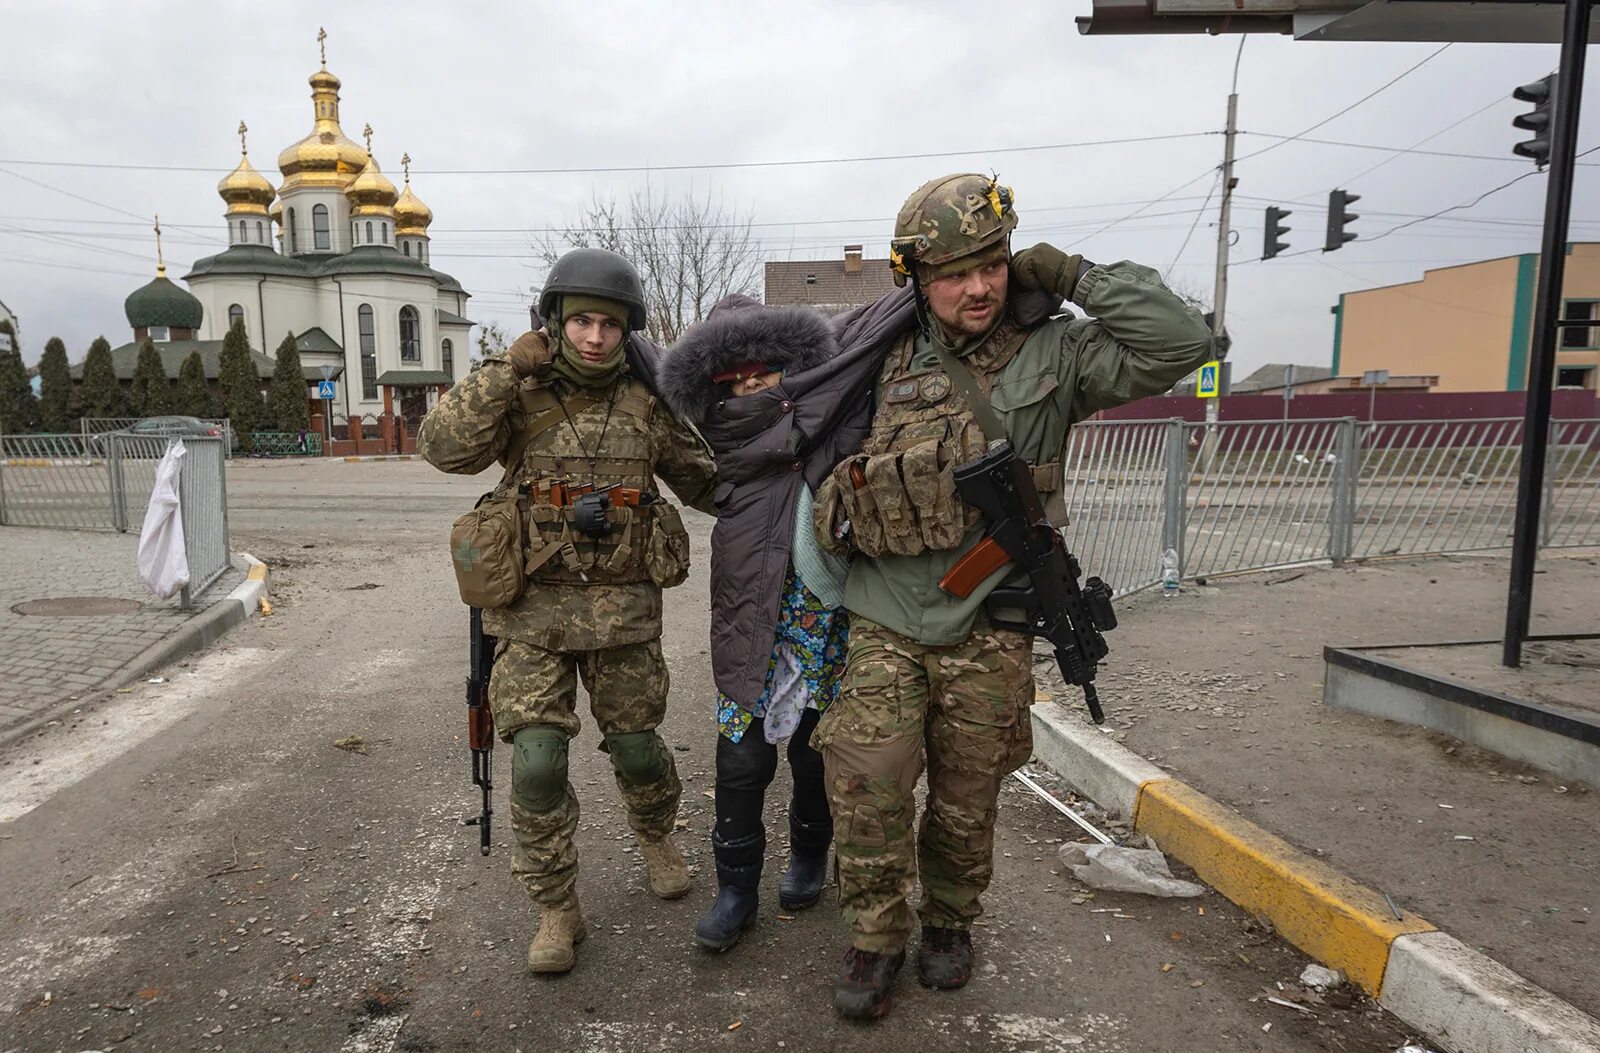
<point x="965" y="324"/>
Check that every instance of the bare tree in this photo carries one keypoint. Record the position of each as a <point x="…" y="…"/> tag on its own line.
<point x="690" y="252"/>
<point x="491" y="341"/>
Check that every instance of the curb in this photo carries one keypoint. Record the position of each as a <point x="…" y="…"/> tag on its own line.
<point x="198" y="632"/>
<point x="1461" y="999"/>
<point x="358" y="459"/>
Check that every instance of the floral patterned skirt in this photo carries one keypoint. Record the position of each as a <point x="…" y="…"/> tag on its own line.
<point x="816" y="637"/>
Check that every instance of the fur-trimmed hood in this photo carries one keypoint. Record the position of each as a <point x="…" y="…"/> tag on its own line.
<point x="740" y="329"/>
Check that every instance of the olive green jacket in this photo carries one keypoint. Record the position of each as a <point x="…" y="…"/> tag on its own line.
<point x="1141" y="340"/>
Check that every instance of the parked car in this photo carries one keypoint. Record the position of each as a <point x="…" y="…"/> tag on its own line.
<point x="153" y="428"/>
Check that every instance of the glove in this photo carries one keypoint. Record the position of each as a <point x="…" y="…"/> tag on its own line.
<point x="530" y="351"/>
<point x="589" y="514"/>
<point x="1048" y="268"/>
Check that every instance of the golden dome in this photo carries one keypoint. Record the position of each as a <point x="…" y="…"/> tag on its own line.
<point x="326" y="157"/>
<point x="371" y="194"/>
<point x="276" y="212"/>
<point x="244" y="189"/>
<point x="411" y="216"/>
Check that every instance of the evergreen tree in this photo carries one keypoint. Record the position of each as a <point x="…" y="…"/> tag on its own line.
<point x="151" y="392"/>
<point x="241" y="387"/>
<point x="288" y="396"/>
<point x="55" y="387"/>
<point x="100" y="395"/>
<point x="19" y="407"/>
<point x="193" y="399"/>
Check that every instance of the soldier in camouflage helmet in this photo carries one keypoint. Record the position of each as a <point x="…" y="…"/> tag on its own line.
<point x="564" y="410"/>
<point x="930" y="684"/>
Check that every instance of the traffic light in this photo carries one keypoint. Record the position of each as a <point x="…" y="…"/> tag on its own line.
<point x="1275" y="232"/>
<point x="1339" y="217"/>
<point x="1542" y="93"/>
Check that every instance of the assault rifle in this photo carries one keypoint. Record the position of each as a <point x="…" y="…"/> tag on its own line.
<point x="480" y="721"/>
<point x="1000" y="485"/>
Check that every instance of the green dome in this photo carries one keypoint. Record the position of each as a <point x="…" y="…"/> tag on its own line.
<point x="163" y="303"/>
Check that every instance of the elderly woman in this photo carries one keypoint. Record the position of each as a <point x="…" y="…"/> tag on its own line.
<point x="780" y="405"/>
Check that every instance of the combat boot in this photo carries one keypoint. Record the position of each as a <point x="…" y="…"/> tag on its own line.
<point x="944" y="961"/>
<point x="865" y="982"/>
<point x="560" y="928"/>
<point x="802" y="883"/>
<point x="669" y="877"/>
<point x="738" y="879"/>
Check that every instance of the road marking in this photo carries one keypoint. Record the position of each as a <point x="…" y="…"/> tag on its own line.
<point x="42" y="768"/>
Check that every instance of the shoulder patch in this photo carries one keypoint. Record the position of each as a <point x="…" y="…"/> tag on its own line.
<point x="935" y="387"/>
<point x="901" y="391"/>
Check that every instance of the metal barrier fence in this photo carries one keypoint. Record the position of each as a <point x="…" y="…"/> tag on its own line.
<point x="103" y="482"/>
<point x="1245" y="495"/>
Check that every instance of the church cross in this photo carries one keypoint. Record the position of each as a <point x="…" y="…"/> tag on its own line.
<point x="242" y="129"/>
<point x="161" y="263"/>
<point x="405" y="162"/>
<point x="367" y="131"/>
<point x="322" y="36"/>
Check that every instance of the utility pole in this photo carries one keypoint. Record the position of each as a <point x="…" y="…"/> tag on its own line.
<point x="1219" y="298"/>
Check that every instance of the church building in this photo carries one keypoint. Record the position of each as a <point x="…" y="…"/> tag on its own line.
<point x="339" y="257"/>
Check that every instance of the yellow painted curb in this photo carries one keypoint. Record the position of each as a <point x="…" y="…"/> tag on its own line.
<point x="257" y="572"/>
<point x="352" y="460"/>
<point x="1338" y="922"/>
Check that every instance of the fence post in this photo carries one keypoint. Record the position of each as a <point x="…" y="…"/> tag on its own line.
<point x="1550" y="485"/>
<point x="1346" y="470"/>
<point x="1174" y="494"/>
<point x="119" y="504"/>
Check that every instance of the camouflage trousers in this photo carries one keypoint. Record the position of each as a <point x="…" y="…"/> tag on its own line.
<point x="627" y="693"/>
<point x="961" y="711"/>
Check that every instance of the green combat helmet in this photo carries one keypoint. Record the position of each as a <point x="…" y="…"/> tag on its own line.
<point x="948" y="218"/>
<point x="594" y="272"/>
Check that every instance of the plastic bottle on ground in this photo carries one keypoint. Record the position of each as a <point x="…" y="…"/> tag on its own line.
<point x="1169" y="572"/>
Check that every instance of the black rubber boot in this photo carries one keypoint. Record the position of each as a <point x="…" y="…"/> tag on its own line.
<point x="738" y="878"/>
<point x="802" y="883"/>
<point x="865" y="982"/>
<point x="944" y="961"/>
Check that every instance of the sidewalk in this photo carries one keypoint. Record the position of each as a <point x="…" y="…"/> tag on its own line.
<point x="47" y="661"/>
<point x="1221" y="686"/>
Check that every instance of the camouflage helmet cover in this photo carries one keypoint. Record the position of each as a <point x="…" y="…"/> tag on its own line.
<point x="948" y="218"/>
<point x="595" y="272"/>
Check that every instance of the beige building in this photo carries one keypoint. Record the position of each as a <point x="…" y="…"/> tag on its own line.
<point x="1471" y="325"/>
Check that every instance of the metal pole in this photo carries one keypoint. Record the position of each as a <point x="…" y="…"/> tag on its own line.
<point x="1219" y="304"/>
<point x="1547" y="310"/>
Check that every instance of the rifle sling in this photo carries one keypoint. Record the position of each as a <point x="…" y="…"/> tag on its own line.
<point x="967" y="384"/>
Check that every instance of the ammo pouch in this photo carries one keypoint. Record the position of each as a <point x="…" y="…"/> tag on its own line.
<point x="666" y="553"/>
<point x="486" y="550"/>
<point x="901" y="504"/>
<point x="559" y="552"/>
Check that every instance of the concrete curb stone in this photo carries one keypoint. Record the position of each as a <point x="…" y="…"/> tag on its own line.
<point x="195" y="634"/>
<point x="1461" y="999"/>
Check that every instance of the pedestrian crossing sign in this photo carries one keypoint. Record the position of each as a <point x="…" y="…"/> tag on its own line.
<point x="326" y="389"/>
<point x="1209" y="384"/>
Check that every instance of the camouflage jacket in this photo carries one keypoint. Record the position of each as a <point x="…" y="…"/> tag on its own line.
<point x="473" y="427"/>
<point x="1141" y="340"/>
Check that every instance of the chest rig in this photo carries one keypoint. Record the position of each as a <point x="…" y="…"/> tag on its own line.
<point x="898" y="494"/>
<point x="576" y="440"/>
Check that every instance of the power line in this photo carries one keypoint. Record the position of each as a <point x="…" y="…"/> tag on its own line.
<point x="1370" y="95"/>
<point x="1201" y="211"/>
<point x="698" y="166"/>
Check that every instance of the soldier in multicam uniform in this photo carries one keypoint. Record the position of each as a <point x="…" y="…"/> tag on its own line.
<point x="563" y="420"/>
<point x="929" y="682"/>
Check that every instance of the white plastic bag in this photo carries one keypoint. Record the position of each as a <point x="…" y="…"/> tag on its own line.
<point x="163" y="560"/>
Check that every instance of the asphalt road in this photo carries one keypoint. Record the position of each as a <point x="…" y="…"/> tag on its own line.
<point x="195" y="865"/>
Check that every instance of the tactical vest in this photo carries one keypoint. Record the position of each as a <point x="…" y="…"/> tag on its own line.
<point x="586" y="439"/>
<point x="898" y="494"/>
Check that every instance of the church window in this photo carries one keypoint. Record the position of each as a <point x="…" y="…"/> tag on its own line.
<point x="294" y="239"/>
<point x="235" y="314"/>
<point x="244" y="234"/>
<point x="319" y="227"/>
<point x="160" y="332"/>
<point x="369" y="352"/>
<point x="447" y="358"/>
<point x="385" y="227"/>
<point x="407" y="246"/>
<point x="369" y="232"/>
<point x="410" y="335"/>
<point x="261" y="234"/>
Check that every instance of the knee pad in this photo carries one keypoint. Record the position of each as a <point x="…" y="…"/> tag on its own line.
<point x="539" y="768"/>
<point x="638" y="757"/>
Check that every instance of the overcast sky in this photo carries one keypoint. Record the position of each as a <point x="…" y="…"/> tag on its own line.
<point x="616" y="85"/>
